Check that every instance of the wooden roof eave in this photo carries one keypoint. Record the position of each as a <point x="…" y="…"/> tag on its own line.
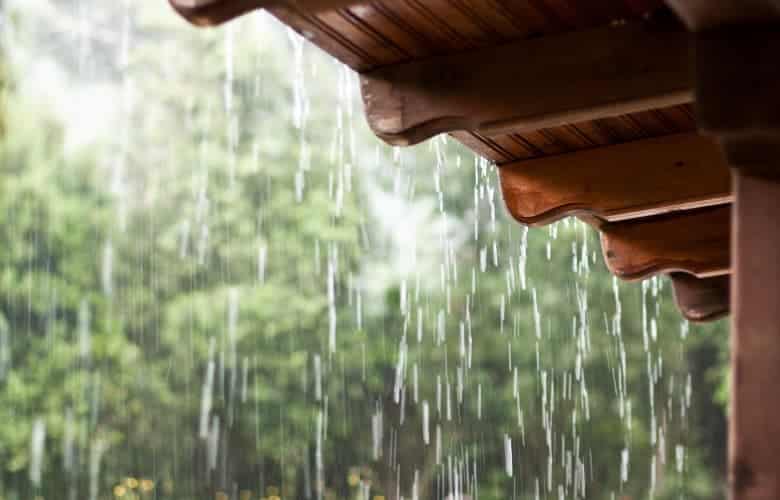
<point x="620" y="68"/>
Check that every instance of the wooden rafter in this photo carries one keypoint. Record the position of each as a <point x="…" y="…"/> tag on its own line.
<point x="214" y="12"/>
<point x="694" y="242"/>
<point x="531" y="84"/>
<point x="625" y="181"/>
<point x="701" y="299"/>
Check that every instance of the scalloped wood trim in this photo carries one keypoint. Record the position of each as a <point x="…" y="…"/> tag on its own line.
<point x="625" y="181"/>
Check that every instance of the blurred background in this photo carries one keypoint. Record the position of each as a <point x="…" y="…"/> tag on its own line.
<point x="215" y="282"/>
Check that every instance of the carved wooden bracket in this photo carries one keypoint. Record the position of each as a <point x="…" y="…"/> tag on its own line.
<point x="214" y="12"/>
<point x="531" y="84"/>
<point x="694" y="242"/>
<point x="626" y="181"/>
<point x="701" y="300"/>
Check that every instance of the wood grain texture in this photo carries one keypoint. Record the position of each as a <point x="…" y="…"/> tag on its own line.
<point x="754" y="426"/>
<point x="694" y="242"/>
<point x="701" y="300"/>
<point x="505" y="148"/>
<point x="530" y="85"/>
<point x="626" y="181"/>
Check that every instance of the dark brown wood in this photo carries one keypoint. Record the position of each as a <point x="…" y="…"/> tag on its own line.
<point x="506" y="148"/>
<point x="754" y="467"/>
<point x="626" y="181"/>
<point x="694" y="242"/>
<point x="739" y="97"/>
<point x="532" y="84"/>
<point x="215" y="12"/>
<point x="703" y="15"/>
<point x="701" y="300"/>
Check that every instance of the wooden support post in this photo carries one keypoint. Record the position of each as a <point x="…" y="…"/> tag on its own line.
<point x="738" y="100"/>
<point x="625" y="181"/>
<point x="754" y="458"/>
<point x="532" y="84"/>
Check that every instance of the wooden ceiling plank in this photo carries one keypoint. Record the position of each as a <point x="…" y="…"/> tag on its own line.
<point x="499" y="149"/>
<point x="531" y="84"/>
<point x="693" y="242"/>
<point x="701" y="300"/>
<point x="679" y="118"/>
<point x="643" y="178"/>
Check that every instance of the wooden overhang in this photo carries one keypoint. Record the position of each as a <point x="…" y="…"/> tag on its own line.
<point x="605" y="131"/>
<point x="586" y="107"/>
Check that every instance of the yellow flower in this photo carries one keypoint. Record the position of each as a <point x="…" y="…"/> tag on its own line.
<point x="147" y="485"/>
<point x="353" y="479"/>
<point x="132" y="483"/>
<point x="119" y="491"/>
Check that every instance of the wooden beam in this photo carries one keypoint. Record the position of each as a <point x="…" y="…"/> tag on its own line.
<point x="704" y="15"/>
<point x="701" y="300"/>
<point x="215" y="12"/>
<point x="694" y="242"/>
<point x="626" y="181"/>
<point x="532" y="84"/>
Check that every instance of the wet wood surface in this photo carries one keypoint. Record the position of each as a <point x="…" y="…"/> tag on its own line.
<point x="694" y="242"/>
<point x="367" y="35"/>
<point x="615" y="70"/>
<point x="701" y="300"/>
<point x="636" y="179"/>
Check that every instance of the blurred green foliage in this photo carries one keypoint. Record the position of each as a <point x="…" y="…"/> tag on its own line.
<point x="122" y="258"/>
